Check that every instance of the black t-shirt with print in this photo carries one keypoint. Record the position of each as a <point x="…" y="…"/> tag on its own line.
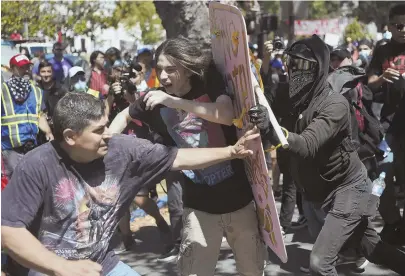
<point x="392" y="55"/>
<point x="219" y="189"/>
<point x="52" y="96"/>
<point x="80" y="205"/>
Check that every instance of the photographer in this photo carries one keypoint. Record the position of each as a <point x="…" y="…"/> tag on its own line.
<point x="125" y="76"/>
<point x="123" y="86"/>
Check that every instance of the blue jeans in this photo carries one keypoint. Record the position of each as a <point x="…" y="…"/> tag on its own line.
<point x="122" y="269"/>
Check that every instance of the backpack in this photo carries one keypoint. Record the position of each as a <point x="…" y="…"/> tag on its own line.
<point x="367" y="132"/>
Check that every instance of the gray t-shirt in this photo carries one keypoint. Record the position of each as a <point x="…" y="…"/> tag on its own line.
<point x="79" y="205"/>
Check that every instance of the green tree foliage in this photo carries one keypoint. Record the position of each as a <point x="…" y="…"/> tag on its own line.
<point x="13" y="15"/>
<point x="324" y="9"/>
<point x="376" y="11"/>
<point x="83" y="17"/>
<point x="142" y="14"/>
<point x="356" y="31"/>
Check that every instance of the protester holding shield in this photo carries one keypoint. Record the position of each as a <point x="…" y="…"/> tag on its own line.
<point x="188" y="110"/>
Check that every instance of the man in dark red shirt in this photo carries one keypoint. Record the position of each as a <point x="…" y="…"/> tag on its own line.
<point x="98" y="79"/>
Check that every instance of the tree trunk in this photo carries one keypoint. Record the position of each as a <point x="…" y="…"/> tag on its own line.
<point x="186" y="18"/>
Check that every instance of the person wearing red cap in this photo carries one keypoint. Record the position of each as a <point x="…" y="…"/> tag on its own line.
<point x="21" y="114"/>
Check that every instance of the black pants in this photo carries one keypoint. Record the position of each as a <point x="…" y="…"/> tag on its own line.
<point x="392" y="165"/>
<point x="174" y="182"/>
<point x="348" y="225"/>
<point x="289" y="198"/>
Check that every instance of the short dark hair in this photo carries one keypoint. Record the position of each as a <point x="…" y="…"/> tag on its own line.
<point x="396" y="10"/>
<point x="113" y="52"/>
<point x="57" y="44"/>
<point x="43" y="64"/>
<point x="75" y="111"/>
<point x="94" y="56"/>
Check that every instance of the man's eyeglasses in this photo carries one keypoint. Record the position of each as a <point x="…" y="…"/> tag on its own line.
<point x="399" y="26"/>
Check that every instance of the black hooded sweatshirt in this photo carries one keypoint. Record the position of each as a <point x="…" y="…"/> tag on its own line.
<point x="321" y="157"/>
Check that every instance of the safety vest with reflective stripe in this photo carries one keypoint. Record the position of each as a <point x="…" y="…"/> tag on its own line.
<point x="19" y="122"/>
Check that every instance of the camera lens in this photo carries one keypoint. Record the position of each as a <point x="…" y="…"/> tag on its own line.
<point x="278" y="45"/>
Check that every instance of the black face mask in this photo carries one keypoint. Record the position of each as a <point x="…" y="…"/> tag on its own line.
<point x="302" y="73"/>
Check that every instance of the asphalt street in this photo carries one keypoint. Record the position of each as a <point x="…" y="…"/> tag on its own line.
<point x="143" y="257"/>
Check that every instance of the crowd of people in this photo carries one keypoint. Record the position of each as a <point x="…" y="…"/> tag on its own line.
<point x="79" y="145"/>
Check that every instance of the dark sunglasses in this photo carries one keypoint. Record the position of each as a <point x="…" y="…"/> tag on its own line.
<point x="300" y="64"/>
<point x="399" y="26"/>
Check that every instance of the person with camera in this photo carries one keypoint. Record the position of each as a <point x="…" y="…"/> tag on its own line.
<point x="122" y="86"/>
<point x="125" y="76"/>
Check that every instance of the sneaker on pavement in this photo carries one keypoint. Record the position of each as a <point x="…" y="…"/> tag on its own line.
<point x="127" y="243"/>
<point x="299" y="224"/>
<point x="170" y="255"/>
<point x="304" y="269"/>
<point x="360" y="265"/>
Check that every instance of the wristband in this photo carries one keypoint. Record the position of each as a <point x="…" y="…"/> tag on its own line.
<point x="279" y="145"/>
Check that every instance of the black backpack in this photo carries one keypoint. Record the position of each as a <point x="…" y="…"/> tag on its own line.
<point x="367" y="132"/>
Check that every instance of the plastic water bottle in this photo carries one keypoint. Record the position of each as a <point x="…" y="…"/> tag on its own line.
<point x="384" y="147"/>
<point x="379" y="185"/>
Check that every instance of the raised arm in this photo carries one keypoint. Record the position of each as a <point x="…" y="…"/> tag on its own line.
<point x="120" y="121"/>
<point x="221" y="111"/>
<point x="330" y="121"/>
<point x="190" y="159"/>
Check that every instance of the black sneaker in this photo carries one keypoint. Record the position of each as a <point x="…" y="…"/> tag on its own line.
<point x="127" y="243"/>
<point x="170" y="255"/>
<point x="299" y="224"/>
<point x="304" y="269"/>
<point x="360" y="265"/>
<point x="393" y="234"/>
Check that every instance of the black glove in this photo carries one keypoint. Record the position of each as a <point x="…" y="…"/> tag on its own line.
<point x="260" y="117"/>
